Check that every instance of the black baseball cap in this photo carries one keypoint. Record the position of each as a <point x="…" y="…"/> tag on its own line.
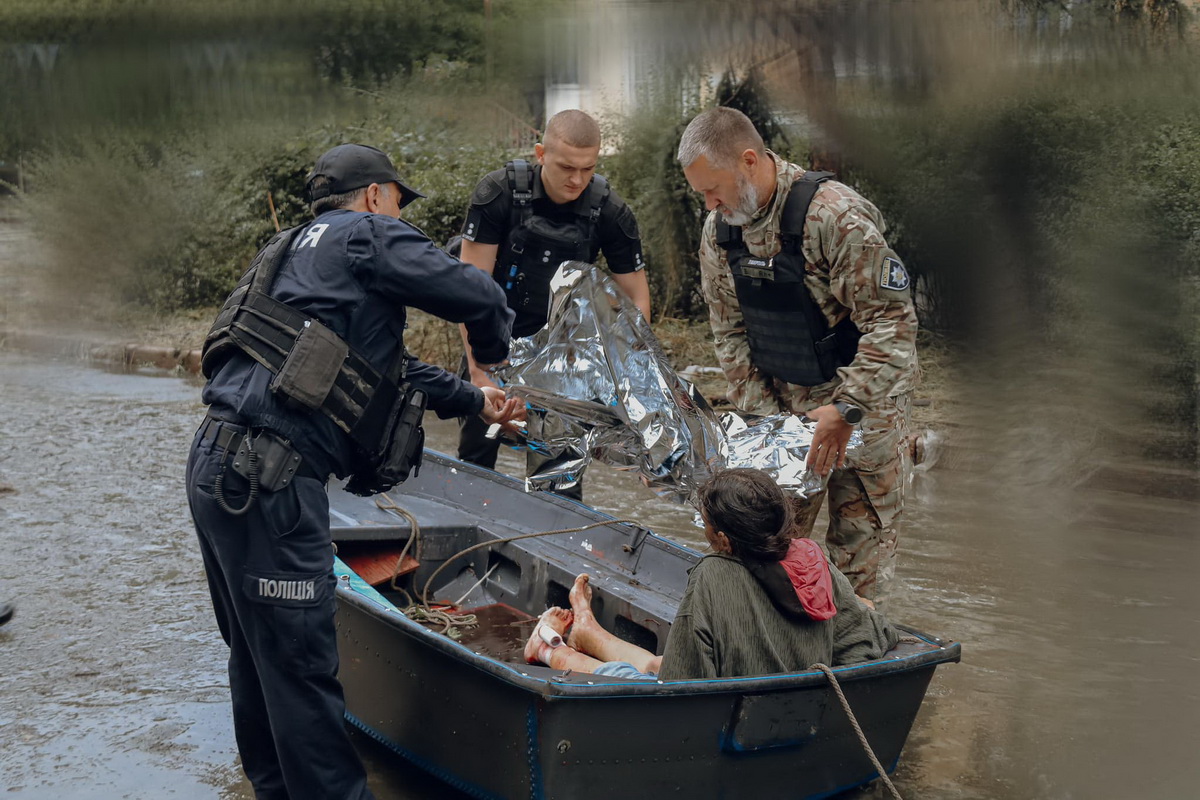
<point x="353" y="166"/>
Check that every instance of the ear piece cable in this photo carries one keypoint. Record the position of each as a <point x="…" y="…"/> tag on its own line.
<point x="252" y="476"/>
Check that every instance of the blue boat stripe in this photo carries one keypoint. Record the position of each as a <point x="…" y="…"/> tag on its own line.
<point x="848" y="786"/>
<point x="536" y="790"/>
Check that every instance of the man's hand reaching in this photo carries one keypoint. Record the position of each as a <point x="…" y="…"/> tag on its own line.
<point x="497" y="408"/>
<point x="828" y="450"/>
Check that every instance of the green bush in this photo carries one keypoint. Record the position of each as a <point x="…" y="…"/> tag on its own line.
<point x="447" y="177"/>
<point x="1056" y="230"/>
<point x="178" y="221"/>
<point x="137" y="224"/>
<point x="669" y="213"/>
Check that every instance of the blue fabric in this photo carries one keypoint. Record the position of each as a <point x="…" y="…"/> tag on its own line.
<point x="356" y="272"/>
<point x="623" y="669"/>
<point x="270" y="574"/>
<point x="270" y="570"/>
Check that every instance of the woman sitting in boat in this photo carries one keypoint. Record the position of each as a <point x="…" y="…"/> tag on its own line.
<point x="763" y="602"/>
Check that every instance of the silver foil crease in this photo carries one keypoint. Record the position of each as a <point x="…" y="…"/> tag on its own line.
<point x="778" y="445"/>
<point x="600" y="388"/>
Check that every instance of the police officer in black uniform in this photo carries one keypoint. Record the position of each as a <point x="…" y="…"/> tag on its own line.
<point x="307" y="377"/>
<point x="524" y="221"/>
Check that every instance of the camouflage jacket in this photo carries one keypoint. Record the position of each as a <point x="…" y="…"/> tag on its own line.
<point x="850" y="270"/>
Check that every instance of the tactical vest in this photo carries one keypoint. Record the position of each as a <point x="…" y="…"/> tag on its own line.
<point x="536" y="246"/>
<point x="788" y="335"/>
<point x="316" y="369"/>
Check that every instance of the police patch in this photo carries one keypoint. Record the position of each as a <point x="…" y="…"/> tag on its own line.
<point x="285" y="589"/>
<point x="485" y="192"/>
<point x="893" y="275"/>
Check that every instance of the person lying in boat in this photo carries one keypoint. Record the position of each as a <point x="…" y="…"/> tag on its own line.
<point x="763" y="602"/>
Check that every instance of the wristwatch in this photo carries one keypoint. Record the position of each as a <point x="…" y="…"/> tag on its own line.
<point x="850" y="414"/>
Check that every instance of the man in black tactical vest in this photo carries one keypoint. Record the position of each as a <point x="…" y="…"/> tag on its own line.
<point x="524" y="221"/>
<point x="307" y="377"/>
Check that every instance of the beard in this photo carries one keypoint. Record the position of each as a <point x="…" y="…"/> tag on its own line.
<point x="746" y="206"/>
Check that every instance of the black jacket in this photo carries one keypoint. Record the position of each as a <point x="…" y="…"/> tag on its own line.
<point x="356" y="273"/>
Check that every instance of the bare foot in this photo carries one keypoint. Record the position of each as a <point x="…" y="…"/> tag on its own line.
<point x="581" y="606"/>
<point x="581" y="594"/>
<point x="556" y="619"/>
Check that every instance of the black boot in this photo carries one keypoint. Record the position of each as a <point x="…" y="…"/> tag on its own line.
<point x="6" y="612"/>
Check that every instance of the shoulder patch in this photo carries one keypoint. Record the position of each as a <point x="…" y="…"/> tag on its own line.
<point x="628" y="222"/>
<point x="485" y="192"/>
<point x="893" y="275"/>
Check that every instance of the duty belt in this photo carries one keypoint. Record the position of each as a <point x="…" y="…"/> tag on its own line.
<point x="275" y="462"/>
<point x="228" y="435"/>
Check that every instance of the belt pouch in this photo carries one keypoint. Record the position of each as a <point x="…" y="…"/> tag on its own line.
<point x="311" y="366"/>
<point x="407" y="440"/>
<point x="400" y="451"/>
<point x="276" y="461"/>
<point x="827" y="356"/>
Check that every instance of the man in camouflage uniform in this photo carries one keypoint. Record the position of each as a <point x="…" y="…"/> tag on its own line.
<point x="850" y="272"/>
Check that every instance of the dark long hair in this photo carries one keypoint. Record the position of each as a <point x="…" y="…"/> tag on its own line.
<point x="751" y="510"/>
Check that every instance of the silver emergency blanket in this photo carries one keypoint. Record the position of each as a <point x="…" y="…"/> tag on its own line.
<point x="600" y="388"/>
<point x="778" y="445"/>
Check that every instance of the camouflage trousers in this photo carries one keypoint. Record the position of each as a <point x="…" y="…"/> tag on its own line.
<point x="866" y="499"/>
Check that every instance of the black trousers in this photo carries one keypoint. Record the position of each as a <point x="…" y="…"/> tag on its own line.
<point x="474" y="447"/>
<point x="270" y="574"/>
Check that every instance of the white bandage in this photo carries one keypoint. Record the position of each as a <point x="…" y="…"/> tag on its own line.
<point x="549" y="635"/>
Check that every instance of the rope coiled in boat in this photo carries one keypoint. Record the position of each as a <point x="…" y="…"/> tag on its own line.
<point x="423" y="611"/>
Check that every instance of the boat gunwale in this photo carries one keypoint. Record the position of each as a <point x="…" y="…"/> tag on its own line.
<point x="370" y="601"/>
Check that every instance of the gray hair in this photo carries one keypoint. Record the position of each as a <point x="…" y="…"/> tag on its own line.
<point x="333" y="202"/>
<point x="721" y="135"/>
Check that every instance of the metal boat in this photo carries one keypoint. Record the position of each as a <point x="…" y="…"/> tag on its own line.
<point x="495" y="727"/>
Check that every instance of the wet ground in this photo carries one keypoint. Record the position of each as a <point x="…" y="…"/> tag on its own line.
<point x="1076" y="609"/>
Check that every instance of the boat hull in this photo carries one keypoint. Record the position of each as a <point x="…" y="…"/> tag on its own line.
<point x="496" y="729"/>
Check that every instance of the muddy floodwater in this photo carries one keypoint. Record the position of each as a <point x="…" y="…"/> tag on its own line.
<point x="1076" y="606"/>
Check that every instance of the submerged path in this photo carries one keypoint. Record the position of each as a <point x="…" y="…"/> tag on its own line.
<point x="1075" y="603"/>
<point x="112" y="673"/>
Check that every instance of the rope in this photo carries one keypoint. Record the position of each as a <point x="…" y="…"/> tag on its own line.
<point x="424" y="611"/>
<point x="420" y="613"/>
<point x="414" y="537"/>
<point x="862" y="738"/>
<point x="450" y="622"/>
<point x="480" y="545"/>
<point x="252" y="469"/>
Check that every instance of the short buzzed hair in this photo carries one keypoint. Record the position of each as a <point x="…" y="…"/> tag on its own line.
<point x="573" y="128"/>
<point x="721" y="135"/>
